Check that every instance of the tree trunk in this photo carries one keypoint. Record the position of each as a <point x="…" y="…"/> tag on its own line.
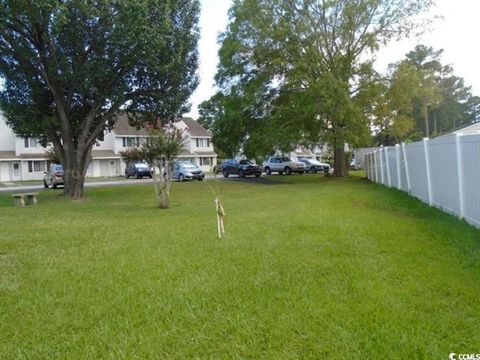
<point x="75" y="163"/>
<point x="74" y="175"/>
<point x="74" y="184"/>
<point x="162" y="183"/>
<point x="339" y="165"/>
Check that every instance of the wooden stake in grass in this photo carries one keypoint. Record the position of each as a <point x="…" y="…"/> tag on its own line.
<point x="220" y="215"/>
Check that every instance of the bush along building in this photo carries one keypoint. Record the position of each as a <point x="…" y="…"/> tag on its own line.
<point x="25" y="159"/>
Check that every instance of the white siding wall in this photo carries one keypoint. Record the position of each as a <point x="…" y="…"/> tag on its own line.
<point x="107" y="143"/>
<point x="21" y="149"/>
<point x="188" y="143"/>
<point x="117" y="145"/>
<point x="7" y="137"/>
<point x="34" y="175"/>
<point x="5" y="171"/>
<point x="102" y="167"/>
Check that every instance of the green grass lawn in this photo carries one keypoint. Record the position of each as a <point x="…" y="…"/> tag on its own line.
<point x="310" y="267"/>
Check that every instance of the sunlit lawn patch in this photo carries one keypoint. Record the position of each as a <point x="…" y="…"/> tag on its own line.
<point x="310" y="267"/>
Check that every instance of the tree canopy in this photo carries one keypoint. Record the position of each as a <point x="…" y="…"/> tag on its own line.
<point x="293" y="71"/>
<point x="69" y="66"/>
<point x="159" y="152"/>
<point x="422" y="97"/>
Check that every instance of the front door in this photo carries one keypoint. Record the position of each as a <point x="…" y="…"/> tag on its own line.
<point x="113" y="168"/>
<point x="16" y="173"/>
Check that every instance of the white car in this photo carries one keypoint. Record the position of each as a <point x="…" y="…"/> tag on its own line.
<point x="283" y="164"/>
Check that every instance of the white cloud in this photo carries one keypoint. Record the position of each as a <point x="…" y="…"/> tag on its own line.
<point x="213" y="20"/>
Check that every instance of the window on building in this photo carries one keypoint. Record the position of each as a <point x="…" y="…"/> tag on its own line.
<point x="205" y="161"/>
<point x="36" y="166"/>
<point x="202" y="142"/>
<point x="30" y="142"/>
<point x="129" y="142"/>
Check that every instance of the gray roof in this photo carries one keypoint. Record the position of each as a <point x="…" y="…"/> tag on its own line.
<point x="105" y="154"/>
<point x="41" y="156"/>
<point x="185" y="152"/>
<point x="123" y="128"/>
<point x="205" y="153"/>
<point x="195" y="129"/>
<point x="6" y="155"/>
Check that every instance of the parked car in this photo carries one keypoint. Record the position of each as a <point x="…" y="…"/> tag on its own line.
<point x="53" y="177"/>
<point x="218" y="168"/>
<point x="283" y="164"/>
<point x="353" y="164"/>
<point x="185" y="170"/>
<point x="314" y="166"/>
<point x="241" y="168"/>
<point x="138" y="170"/>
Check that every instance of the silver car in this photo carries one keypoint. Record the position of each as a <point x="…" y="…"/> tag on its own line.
<point x="283" y="164"/>
<point x="185" y="170"/>
<point x="313" y="166"/>
<point x="53" y="177"/>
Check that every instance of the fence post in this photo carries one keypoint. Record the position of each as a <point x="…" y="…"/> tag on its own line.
<point x="427" y="167"/>
<point x="381" y="166"/>
<point x="389" y="180"/>
<point x="376" y="165"/>
<point x="461" y="194"/>
<point x="365" y="161"/>
<point x="407" y="171"/>
<point x="397" y="157"/>
<point x="368" y="164"/>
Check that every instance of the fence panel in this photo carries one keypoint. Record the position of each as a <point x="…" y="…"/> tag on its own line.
<point x="444" y="173"/>
<point x="470" y="145"/>
<point x="391" y="156"/>
<point x="383" y="164"/>
<point x="403" y="171"/>
<point x="417" y="166"/>
<point x="369" y="165"/>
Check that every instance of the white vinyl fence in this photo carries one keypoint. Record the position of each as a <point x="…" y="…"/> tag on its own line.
<point x="443" y="172"/>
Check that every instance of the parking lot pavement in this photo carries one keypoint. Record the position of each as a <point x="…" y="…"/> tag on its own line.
<point x="92" y="184"/>
<point x="266" y="180"/>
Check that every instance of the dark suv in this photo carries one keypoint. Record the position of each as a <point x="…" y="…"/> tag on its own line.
<point x="138" y="170"/>
<point x="241" y="168"/>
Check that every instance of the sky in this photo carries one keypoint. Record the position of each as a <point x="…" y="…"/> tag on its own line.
<point x="456" y="32"/>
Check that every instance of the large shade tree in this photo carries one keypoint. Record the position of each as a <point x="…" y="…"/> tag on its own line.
<point x="297" y="66"/>
<point x="69" y="66"/>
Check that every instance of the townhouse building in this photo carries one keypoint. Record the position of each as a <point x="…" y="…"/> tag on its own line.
<point x="316" y="152"/>
<point x="25" y="159"/>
